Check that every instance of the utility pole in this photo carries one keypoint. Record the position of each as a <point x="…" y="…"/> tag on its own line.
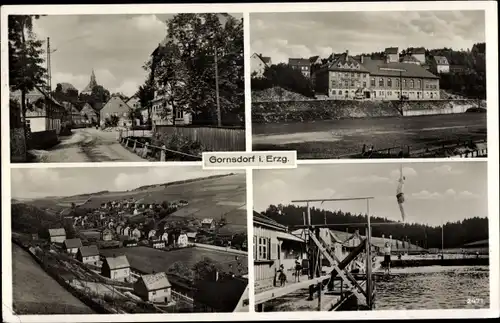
<point x="49" y="67"/>
<point x="219" y="120"/>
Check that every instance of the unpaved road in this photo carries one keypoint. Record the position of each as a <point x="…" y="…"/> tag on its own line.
<point x="87" y="145"/>
<point x="35" y="292"/>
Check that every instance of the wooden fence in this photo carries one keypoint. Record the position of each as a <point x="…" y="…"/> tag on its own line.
<point x="211" y="138"/>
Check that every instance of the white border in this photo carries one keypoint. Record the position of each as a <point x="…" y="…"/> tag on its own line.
<point x="490" y="8"/>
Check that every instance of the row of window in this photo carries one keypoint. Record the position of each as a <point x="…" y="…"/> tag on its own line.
<point x="302" y="68"/>
<point x="125" y="114"/>
<point x="351" y="74"/>
<point x="179" y="114"/>
<point x="432" y="95"/>
<point x="382" y="82"/>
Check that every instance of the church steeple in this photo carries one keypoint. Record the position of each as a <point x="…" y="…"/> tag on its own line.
<point x="92" y="78"/>
<point x="92" y="84"/>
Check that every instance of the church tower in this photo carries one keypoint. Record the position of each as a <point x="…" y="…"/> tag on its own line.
<point x="92" y="84"/>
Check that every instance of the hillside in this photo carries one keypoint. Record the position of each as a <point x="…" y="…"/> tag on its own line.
<point x="456" y="234"/>
<point x="27" y="218"/>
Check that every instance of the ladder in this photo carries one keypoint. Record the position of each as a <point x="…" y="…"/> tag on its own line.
<point x="340" y="272"/>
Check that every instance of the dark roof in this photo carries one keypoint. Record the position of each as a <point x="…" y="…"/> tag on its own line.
<point x="381" y="68"/>
<point x="265" y="59"/>
<point x="313" y="59"/>
<point x="87" y="251"/>
<point x="391" y="50"/>
<point x="347" y="63"/>
<point x="299" y="61"/>
<point x="73" y="243"/>
<point x="222" y="295"/>
<point x="262" y="219"/>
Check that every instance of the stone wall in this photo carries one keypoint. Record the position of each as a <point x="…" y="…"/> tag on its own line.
<point x="17" y="145"/>
<point x="315" y="110"/>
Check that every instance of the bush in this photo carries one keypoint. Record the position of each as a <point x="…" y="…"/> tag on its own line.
<point x="179" y="143"/>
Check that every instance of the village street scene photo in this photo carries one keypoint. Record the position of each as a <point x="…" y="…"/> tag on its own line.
<point x="374" y="84"/>
<point x="128" y="240"/>
<point x="112" y="88"/>
<point x="343" y="237"/>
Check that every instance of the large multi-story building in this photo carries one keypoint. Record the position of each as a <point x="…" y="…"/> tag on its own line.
<point x="389" y="79"/>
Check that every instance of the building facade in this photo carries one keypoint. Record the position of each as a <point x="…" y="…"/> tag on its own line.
<point x="72" y="245"/>
<point x="57" y="235"/>
<point x="88" y="255"/>
<point x="440" y="65"/>
<point x="348" y="78"/>
<point x="116" y="268"/>
<point x="301" y="64"/>
<point x="258" y="64"/>
<point x="154" y="288"/>
<point x="89" y="114"/>
<point x="118" y="108"/>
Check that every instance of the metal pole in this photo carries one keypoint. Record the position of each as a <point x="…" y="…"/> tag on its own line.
<point x="219" y="120"/>
<point x="442" y="237"/>
<point x="369" y="259"/>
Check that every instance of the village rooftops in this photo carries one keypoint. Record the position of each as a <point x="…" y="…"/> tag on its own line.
<point x="156" y="281"/>
<point x="346" y="63"/>
<point x="392" y="50"/>
<point x="299" y="61"/>
<point x="117" y="262"/>
<point x="57" y="232"/>
<point x="441" y="60"/>
<point x="381" y="68"/>
<point x="72" y="243"/>
<point x="222" y="295"/>
<point x="89" y="251"/>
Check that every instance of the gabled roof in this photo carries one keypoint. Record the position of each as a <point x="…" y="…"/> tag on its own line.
<point x="57" y="232"/>
<point x="313" y="59"/>
<point x="441" y="60"/>
<point x="222" y="295"/>
<point x="89" y="251"/>
<point x="115" y="102"/>
<point x="381" y="68"/>
<point x="263" y="220"/>
<point x="409" y="59"/>
<point x="346" y="63"/>
<point x="299" y="61"/>
<point x="72" y="243"/>
<point x="117" y="262"/>
<point x="156" y="281"/>
<point x="392" y="50"/>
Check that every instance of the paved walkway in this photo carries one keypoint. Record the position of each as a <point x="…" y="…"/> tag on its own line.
<point x="87" y="145"/>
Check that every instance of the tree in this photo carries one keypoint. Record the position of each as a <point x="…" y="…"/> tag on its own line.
<point x="205" y="269"/>
<point x="99" y="95"/>
<point x="25" y="58"/>
<point x="180" y="269"/>
<point x="134" y="114"/>
<point x="146" y="94"/>
<point x="121" y="96"/>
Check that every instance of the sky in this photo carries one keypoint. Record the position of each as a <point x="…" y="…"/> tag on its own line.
<point x="294" y="35"/>
<point x="434" y="192"/>
<point x="29" y="183"/>
<point x="115" y="46"/>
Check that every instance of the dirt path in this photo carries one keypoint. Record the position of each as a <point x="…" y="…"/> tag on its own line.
<point x="35" y="292"/>
<point x="88" y="145"/>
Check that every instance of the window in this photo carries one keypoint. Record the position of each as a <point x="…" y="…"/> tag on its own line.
<point x="364" y="84"/>
<point x="365" y="75"/>
<point x="432" y="95"/>
<point x="389" y="93"/>
<point x="179" y="114"/>
<point x="372" y="82"/>
<point x="380" y="93"/>
<point x="352" y="82"/>
<point x="346" y="83"/>
<point x="418" y="83"/>
<point x="412" y="83"/>
<point x="380" y="82"/>
<point x="334" y="92"/>
<point x="263" y="248"/>
<point x="154" y="293"/>
<point x="404" y="83"/>
<point x="389" y="82"/>
<point x="397" y="82"/>
<point x="340" y="92"/>
<point x="352" y="74"/>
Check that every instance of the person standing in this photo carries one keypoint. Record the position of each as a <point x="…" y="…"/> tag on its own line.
<point x="298" y="269"/>
<point x="387" y="257"/>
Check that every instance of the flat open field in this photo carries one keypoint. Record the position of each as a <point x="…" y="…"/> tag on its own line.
<point x="35" y="292"/>
<point x="335" y="138"/>
<point x="148" y="259"/>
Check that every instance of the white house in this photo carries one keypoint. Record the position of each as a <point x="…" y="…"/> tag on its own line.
<point x="154" y="288"/>
<point x="136" y="233"/>
<point x="440" y="64"/>
<point x="258" y="64"/>
<point x="57" y="235"/>
<point x="151" y="234"/>
<point x="182" y="240"/>
<point x="392" y="54"/>
<point x="164" y="237"/>
<point x="118" y="108"/>
<point x="208" y="224"/>
<point x="88" y="255"/>
<point x="116" y="268"/>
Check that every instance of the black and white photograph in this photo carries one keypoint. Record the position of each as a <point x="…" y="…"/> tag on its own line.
<point x="344" y="237"/>
<point x="128" y="240"/>
<point x="369" y="84"/>
<point x="125" y="88"/>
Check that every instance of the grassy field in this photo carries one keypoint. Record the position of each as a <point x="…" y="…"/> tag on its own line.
<point x="147" y="259"/>
<point x="35" y="292"/>
<point x="335" y="138"/>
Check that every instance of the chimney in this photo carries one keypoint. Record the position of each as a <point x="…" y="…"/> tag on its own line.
<point x="347" y="53"/>
<point x="362" y="59"/>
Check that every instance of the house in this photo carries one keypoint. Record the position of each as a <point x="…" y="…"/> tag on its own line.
<point x="274" y="246"/>
<point x="392" y="54"/>
<point x="136" y="233"/>
<point x="57" y="235"/>
<point x="440" y="65"/>
<point x="346" y="78"/>
<point x="72" y="245"/>
<point x="154" y="288"/>
<point x="258" y="64"/>
<point x="89" y="115"/>
<point x="191" y="237"/>
<point x="119" y="229"/>
<point x="151" y="234"/>
<point x="222" y="295"/>
<point x="419" y="54"/>
<point x="119" y="109"/>
<point x="116" y="268"/>
<point x="182" y="240"/>
<point x="107" y="234"/>
<point x="134" y="102"/>
<point x="315" y="60"/>
<point x="88" y="255"/>
<point x="157" y="244"/>
<point x="43" y="112"/>
<point x="208" y="224"/>
<point x="301" y="64"/>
